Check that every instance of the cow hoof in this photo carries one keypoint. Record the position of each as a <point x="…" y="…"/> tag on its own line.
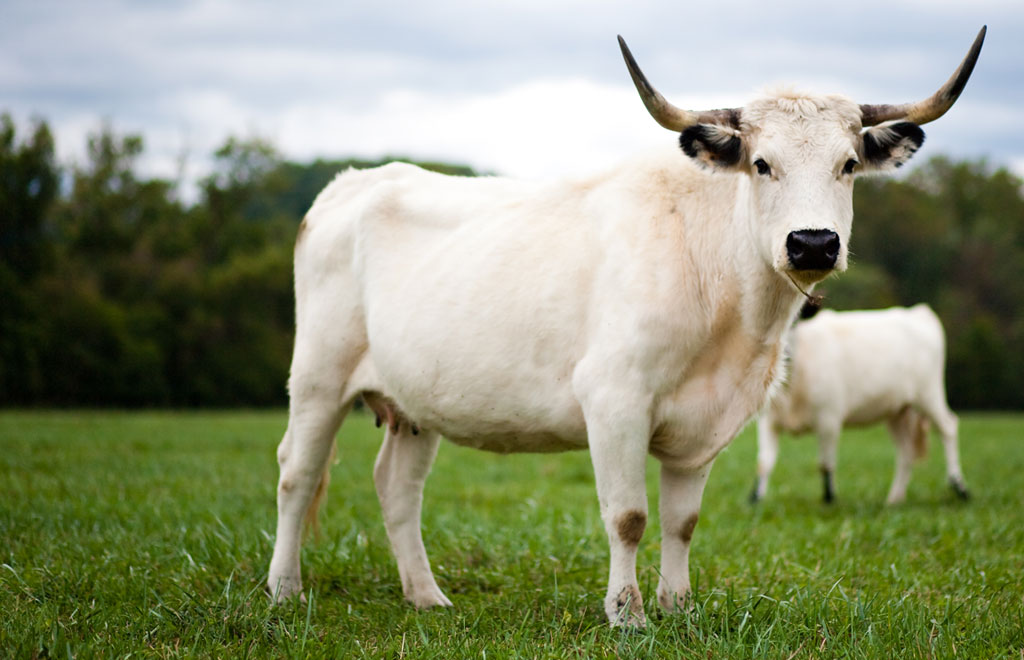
<point x="626" y="610"/>
<point x="755" y="492"/>
<point x="426" y="599"/>
<point x="673" y="602"/>
<point x="828" y="487"/>
<point x="283" y="589"/>
<point x="960" y="489"/>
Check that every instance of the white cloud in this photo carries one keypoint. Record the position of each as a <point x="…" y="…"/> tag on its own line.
<point x="542" y="129"/>
<point x="534" y="88"/>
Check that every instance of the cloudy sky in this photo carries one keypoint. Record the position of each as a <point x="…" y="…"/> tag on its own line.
<point x="532" y="88"/>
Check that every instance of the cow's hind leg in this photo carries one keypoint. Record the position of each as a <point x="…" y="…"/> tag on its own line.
<point x="304" y="455"/>
<point x="399" y="474"/>
<point x="947" y="423"/>
<point x="904" y="426"/>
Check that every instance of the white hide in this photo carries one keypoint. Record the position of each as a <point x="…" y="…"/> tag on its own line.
<point x="639" y="311"/>
<point x="861" y="368"/>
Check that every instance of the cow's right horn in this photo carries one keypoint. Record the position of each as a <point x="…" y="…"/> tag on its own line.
<point x="666" y="114"/>
<point x="935" y="105"/>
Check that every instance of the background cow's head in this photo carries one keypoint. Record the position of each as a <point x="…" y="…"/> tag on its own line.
<point x="800" y="154"/>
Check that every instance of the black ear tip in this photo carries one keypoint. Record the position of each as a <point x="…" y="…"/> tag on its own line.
<point x="707" y="144"/>
<point x="911" y="131"/>
<point x="687" y="139"/>
<point x="879" y="141"/>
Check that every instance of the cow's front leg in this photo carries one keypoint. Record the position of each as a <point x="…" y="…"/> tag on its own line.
<point x="618" y="432"/>
<point x="400" y="473"/>
<point x="828" y="450"/>
<point x="681" y="492"/>
<point x="619" y="462"/>
<point x="767" y="455"/>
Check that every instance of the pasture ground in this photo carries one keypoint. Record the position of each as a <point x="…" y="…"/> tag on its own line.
<point x="149" y="535"/>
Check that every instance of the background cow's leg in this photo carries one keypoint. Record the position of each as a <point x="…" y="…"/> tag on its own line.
<point x="902" y="428"/>
<point x="679" y="503"/>
<point x="399" y="475"/>
<point x="767" y="455"/>
<point x="828" y="452"/>
<point x="947" y="423"/>
<point x="304" y="456"/>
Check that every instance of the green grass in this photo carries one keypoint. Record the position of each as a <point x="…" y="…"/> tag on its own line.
<point x="149" y="535"/>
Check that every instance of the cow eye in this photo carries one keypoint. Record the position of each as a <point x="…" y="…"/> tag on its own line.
<point x="762" y="167"/>
<point x="850" y="166"/>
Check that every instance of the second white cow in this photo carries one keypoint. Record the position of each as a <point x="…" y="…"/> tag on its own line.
<point x="859" y="368"/>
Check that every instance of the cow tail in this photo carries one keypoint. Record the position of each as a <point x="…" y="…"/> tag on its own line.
<point x="312" y="520"/>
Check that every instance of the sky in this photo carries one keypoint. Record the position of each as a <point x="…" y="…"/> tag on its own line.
<point x="530" y="88"/>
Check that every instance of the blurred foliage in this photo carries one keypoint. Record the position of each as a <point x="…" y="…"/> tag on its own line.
<point x="113" y="292"/>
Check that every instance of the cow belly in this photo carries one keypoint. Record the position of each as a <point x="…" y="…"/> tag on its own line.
<point x="871" y="407"/>
<point x="521" y="442"/>
<point x="499" y="401"/>
<point x="872" y="412"/>
<point x="504" y="420"/>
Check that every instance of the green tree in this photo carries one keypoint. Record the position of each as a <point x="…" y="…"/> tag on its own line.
<point x="29" y="184"/>
<point x="29" y="181"/>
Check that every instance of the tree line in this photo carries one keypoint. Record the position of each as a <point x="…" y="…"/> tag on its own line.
<point x="115" y="292"/>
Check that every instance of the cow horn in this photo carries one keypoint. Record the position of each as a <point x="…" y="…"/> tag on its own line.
<point x="934" y="106"/>
<point x="666" y="114"/>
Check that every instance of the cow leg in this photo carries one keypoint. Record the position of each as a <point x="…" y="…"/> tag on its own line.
<point x="951" y="447"/>
<point x="902" y="427"/>
<point x="618" y="432"/>
<point x="828" y="450"/>
<point x="948" y="425"/>
<point x="679" y="502"/>
<point x="767" y="455"/>
<point x="399" y="475"/>
<point x="935" y="408"/>
<point x="303" y="456"/>
<point x="619" y="471"/>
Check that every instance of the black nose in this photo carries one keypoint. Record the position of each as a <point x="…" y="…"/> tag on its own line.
<point x="812" y="249"/>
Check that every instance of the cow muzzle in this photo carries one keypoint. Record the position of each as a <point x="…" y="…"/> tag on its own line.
<point x="812" y="249"/>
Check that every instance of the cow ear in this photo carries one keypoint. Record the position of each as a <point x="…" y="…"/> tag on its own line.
<point x="890" y="145"/>
<point x="712" y="146"/>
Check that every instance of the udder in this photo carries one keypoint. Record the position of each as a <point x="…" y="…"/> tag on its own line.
<point x="388" y="412"/>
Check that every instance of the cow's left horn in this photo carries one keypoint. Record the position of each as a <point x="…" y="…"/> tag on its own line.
<point x="934" y="106"/>
<point x="666" y="114"/>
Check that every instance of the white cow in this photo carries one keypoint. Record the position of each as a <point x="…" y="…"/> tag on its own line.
<point x="860" y="368"/>
<point x="638" y="311"/>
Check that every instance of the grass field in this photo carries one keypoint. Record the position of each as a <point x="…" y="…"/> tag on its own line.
<point x="149" y="534"/>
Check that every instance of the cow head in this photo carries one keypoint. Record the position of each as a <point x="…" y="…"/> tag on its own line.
<point x="800" y="154"/>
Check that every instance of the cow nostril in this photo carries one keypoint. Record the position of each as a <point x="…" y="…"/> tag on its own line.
<point x="832" y="246"/>
<point x="813" y="249"/>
